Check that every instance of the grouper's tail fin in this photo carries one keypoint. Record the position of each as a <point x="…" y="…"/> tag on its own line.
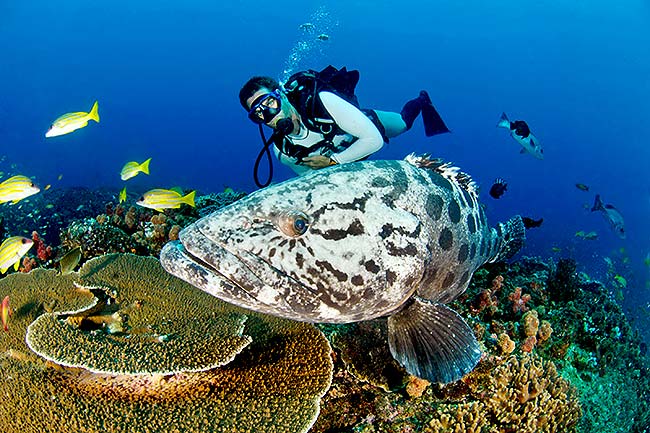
<point x="512" y="235"/>
<point x="432" y="341"/>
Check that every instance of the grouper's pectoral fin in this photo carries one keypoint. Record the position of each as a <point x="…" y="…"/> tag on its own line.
<point x="432" y="341"/>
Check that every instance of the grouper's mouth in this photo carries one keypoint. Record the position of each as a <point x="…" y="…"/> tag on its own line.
<point x="244" y="280"/>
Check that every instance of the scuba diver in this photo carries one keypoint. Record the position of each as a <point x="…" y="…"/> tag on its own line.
<point x="317" y="121"/>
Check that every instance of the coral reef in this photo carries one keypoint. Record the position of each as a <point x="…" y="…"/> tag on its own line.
<point x="541" y="369"/>
<point x="556" y="344"/>
<point x="96" y="239"/>
<point x="364" y="351"/>
<point x="206" y="204"/>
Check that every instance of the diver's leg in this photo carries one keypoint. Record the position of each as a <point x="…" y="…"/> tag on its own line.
<point x="433" y="123"/>
<point x="393" y="123"/>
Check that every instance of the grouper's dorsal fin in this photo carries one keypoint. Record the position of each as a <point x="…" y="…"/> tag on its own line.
<point x="445" y="169"/>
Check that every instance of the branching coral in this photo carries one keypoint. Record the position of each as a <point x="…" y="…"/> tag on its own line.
<point x="524" y="395"/>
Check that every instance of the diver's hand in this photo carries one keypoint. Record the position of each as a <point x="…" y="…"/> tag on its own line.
<point x="317" y="161"/>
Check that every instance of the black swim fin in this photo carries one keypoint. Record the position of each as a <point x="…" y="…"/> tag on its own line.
<point x="433" y="123"/>
<point x="432" y="341"/>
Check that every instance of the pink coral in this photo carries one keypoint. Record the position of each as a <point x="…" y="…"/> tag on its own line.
<point x="497" y="283"/>
<point x="43" y="252"/>
<point x="519" y="300"/>
<point x="487" y="298"/>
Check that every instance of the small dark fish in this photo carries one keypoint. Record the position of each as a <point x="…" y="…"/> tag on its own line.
<point x="323" y="37"/>
<point x="530" y="223"/>
<point x="498" y="188"/>
<point x="582" y="187"/>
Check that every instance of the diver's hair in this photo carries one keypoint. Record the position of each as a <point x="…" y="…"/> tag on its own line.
<point x="255" y="84"/>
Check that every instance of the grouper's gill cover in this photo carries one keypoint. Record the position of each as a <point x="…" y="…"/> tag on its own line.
<point x="355" y="242"/>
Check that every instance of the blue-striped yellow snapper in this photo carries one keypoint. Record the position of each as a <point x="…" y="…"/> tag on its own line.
<point x="17" y="188"/>
<point x="12" y="250"/>
<point x="132" y="168"/>
<point x="72" y="121"/>
<point x="160" y="199"/>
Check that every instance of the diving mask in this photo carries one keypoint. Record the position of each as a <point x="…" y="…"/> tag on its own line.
<point x="265" y="107"/>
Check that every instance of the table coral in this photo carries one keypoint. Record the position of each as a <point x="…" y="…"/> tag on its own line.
<point x="273" y="385"/>
<point x="172" y="327"/>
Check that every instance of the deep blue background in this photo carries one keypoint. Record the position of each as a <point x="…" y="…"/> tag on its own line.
<point x="167" y="74"/>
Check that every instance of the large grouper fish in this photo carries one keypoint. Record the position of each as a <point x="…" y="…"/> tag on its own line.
<point x="356" y="242"/>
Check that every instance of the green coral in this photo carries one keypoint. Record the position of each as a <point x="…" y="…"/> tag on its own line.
<point x="612" y="402"/>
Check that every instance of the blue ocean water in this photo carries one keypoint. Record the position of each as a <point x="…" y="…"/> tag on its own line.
<point x="167" y="74"/>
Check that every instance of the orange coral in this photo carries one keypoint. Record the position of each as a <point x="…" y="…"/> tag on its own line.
<point x="416" y="386"/>
<point x="545" y="331"/>
<point x="28" y="264"/>
<point x="530" y="322"/>
<point x="529" y="344"/>
<point x="497" y="283"/>
<point x="524" y="395"/>
<point x="173" y="232"/>
<point x="505" y="343"/>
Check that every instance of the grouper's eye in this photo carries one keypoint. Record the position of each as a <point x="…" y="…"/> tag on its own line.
<point x="300" y="225"/>
<point x="293" y="223"/>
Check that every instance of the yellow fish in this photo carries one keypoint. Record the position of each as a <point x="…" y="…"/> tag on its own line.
<point x="72" y="121"/>
<point x="12" y="250"/>
<point x="131" y="169"/>
<point x="122" y="196"/>
<point x="620" y="280"/>
<point x="160" y="199"/>
<point x="17" y="188"/>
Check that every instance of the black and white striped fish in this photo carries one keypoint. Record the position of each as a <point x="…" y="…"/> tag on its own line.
<point x="355" y="242"/>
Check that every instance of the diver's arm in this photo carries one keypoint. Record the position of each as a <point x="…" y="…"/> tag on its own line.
<point x="352" y="120"/>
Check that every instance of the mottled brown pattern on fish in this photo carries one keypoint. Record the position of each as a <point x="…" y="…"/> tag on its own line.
<point x="378" y="232"/>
